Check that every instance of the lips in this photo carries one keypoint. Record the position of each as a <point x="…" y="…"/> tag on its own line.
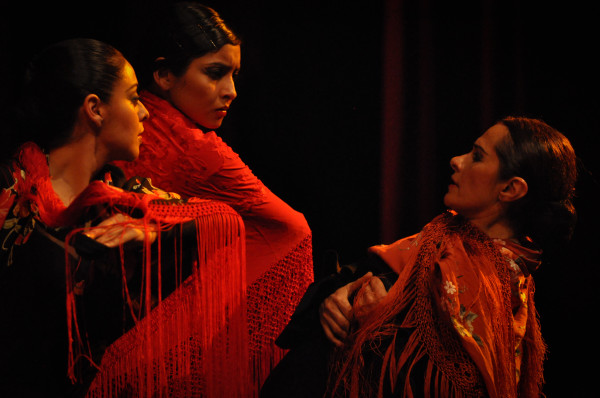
<point x="222" y="112"/>
<point x="453" y="182"/>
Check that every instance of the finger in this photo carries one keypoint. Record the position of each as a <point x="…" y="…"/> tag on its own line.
<point x="354" y="286"/>
<point x="339" y="301"/>
<point x="337" y="322"/>
<point x="104" y="226"/>
<point x="338" y="331"/>
<point x="338" y="315"/>
<point x="378" y="288"/>
<point x="95" y="232"/>
<point x="340" y="307"/>
<point x="111" y="237"/>
<point x="365" y="296"/>
<point x="120" y="235"/>
<point x="331" y="336"/>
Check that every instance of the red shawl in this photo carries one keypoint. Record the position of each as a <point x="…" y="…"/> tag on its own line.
<point x="180" y="157"/>
<point x="469" y="310"/>
<point x="193" y="342"/>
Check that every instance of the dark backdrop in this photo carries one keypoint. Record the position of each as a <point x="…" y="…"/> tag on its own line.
<point x="351" y="111"/>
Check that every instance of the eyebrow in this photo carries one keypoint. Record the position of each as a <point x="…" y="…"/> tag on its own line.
<point x="480" y="148"/>
<point x="223" y="65"/>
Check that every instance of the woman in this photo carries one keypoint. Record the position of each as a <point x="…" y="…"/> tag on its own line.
<point x="459" y="319"/>
<point x="114" y="262"/>
<point x="188" y="67"/>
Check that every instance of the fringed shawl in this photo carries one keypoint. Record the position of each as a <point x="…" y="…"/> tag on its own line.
<point x="452" y="305"/>
<point x="182" y="158"/>
<point x="193" y="342"/>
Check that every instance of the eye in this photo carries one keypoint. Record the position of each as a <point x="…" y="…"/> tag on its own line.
<point x="215" y="72"/>
<point x="477" y="156"/>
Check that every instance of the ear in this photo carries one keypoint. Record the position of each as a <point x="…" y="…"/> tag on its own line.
<point x="93" y="109"/>
<point x="515" y="189"/>
<point x="163" y="77"/>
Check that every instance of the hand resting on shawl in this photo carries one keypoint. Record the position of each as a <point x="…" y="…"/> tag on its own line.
<point x="119" y="228"/>
<point x="336" y="312"/>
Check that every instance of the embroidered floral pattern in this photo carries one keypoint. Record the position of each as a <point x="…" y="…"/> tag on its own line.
<point x="449" y="287"/>
<point x="18" y="213"/>
<point x="18" y="219"/>
<point x="464" y="320"/>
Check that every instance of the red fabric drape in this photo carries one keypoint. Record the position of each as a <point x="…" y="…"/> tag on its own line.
<point x="192" y="343"/>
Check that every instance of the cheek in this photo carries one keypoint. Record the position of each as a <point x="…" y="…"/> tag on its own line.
<point x="482" y="188"/>
<point x="195" y="99"/>
<point x="198" y="87"/>
<point x="128" y="124"/>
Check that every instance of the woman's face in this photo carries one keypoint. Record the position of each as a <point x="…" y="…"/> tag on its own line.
<point x="206" y="89"/>
<point x="122" y="126"/>
<point x="475" y="186"/>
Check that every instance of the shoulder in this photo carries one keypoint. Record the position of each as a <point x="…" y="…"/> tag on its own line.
<point x="399" y="253"/>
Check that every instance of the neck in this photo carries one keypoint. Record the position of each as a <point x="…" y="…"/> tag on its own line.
<point x="494" y="224"/>
<point x="72" y="167"/>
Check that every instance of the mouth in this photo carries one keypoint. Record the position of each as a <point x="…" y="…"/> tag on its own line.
<point x="222" y="112"/>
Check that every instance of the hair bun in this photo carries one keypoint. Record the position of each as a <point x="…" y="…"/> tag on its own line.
<point x="551" y="224"/>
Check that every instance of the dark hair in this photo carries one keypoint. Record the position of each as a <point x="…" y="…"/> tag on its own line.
<point x="545" y="159"/>
<point x="57" y="81"/>
<point x="179" y="32"/>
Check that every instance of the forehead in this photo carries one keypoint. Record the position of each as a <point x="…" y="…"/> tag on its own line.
<point x="127" y="81"/>
<point x="128" y="75"/>
<point x="228" y="55"/>
<point x="492" y="137"/>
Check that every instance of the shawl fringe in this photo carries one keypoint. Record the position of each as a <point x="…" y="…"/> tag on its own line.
<point x="194" y="342"/>
<point x="271" y="302"/>
<point x="411" y="309"/>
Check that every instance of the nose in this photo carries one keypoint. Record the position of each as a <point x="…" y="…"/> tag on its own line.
<point x="143" y="113"/>
<point x="228" y="89"/>
<point x="455" y="162"/>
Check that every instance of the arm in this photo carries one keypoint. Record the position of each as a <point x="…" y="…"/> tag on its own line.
<point x="306" y="321"/>
<point x="336" y="313"/>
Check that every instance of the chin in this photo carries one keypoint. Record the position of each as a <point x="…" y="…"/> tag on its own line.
<point x="213" y="126"/>
<point x="447" y="201"/>
<point x="131" y="156"/>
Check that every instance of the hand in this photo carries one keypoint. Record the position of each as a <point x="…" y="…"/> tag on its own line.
<point x="119" y="228"/>
<point x="372" y="293"/>
<point x="335" y="312"/>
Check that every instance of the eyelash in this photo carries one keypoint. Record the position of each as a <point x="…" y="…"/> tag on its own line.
<point x="219" y="73"/>
<point x="477" y="157"/>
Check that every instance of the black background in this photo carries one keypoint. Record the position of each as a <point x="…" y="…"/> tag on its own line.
<point x="308" y="118"/>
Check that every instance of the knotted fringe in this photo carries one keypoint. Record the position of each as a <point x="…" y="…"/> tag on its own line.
<point x="271" y="302"/>
<point x="195" y="341"/>
<point x="534" y="352"/>
<point x="410" y="309"/>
